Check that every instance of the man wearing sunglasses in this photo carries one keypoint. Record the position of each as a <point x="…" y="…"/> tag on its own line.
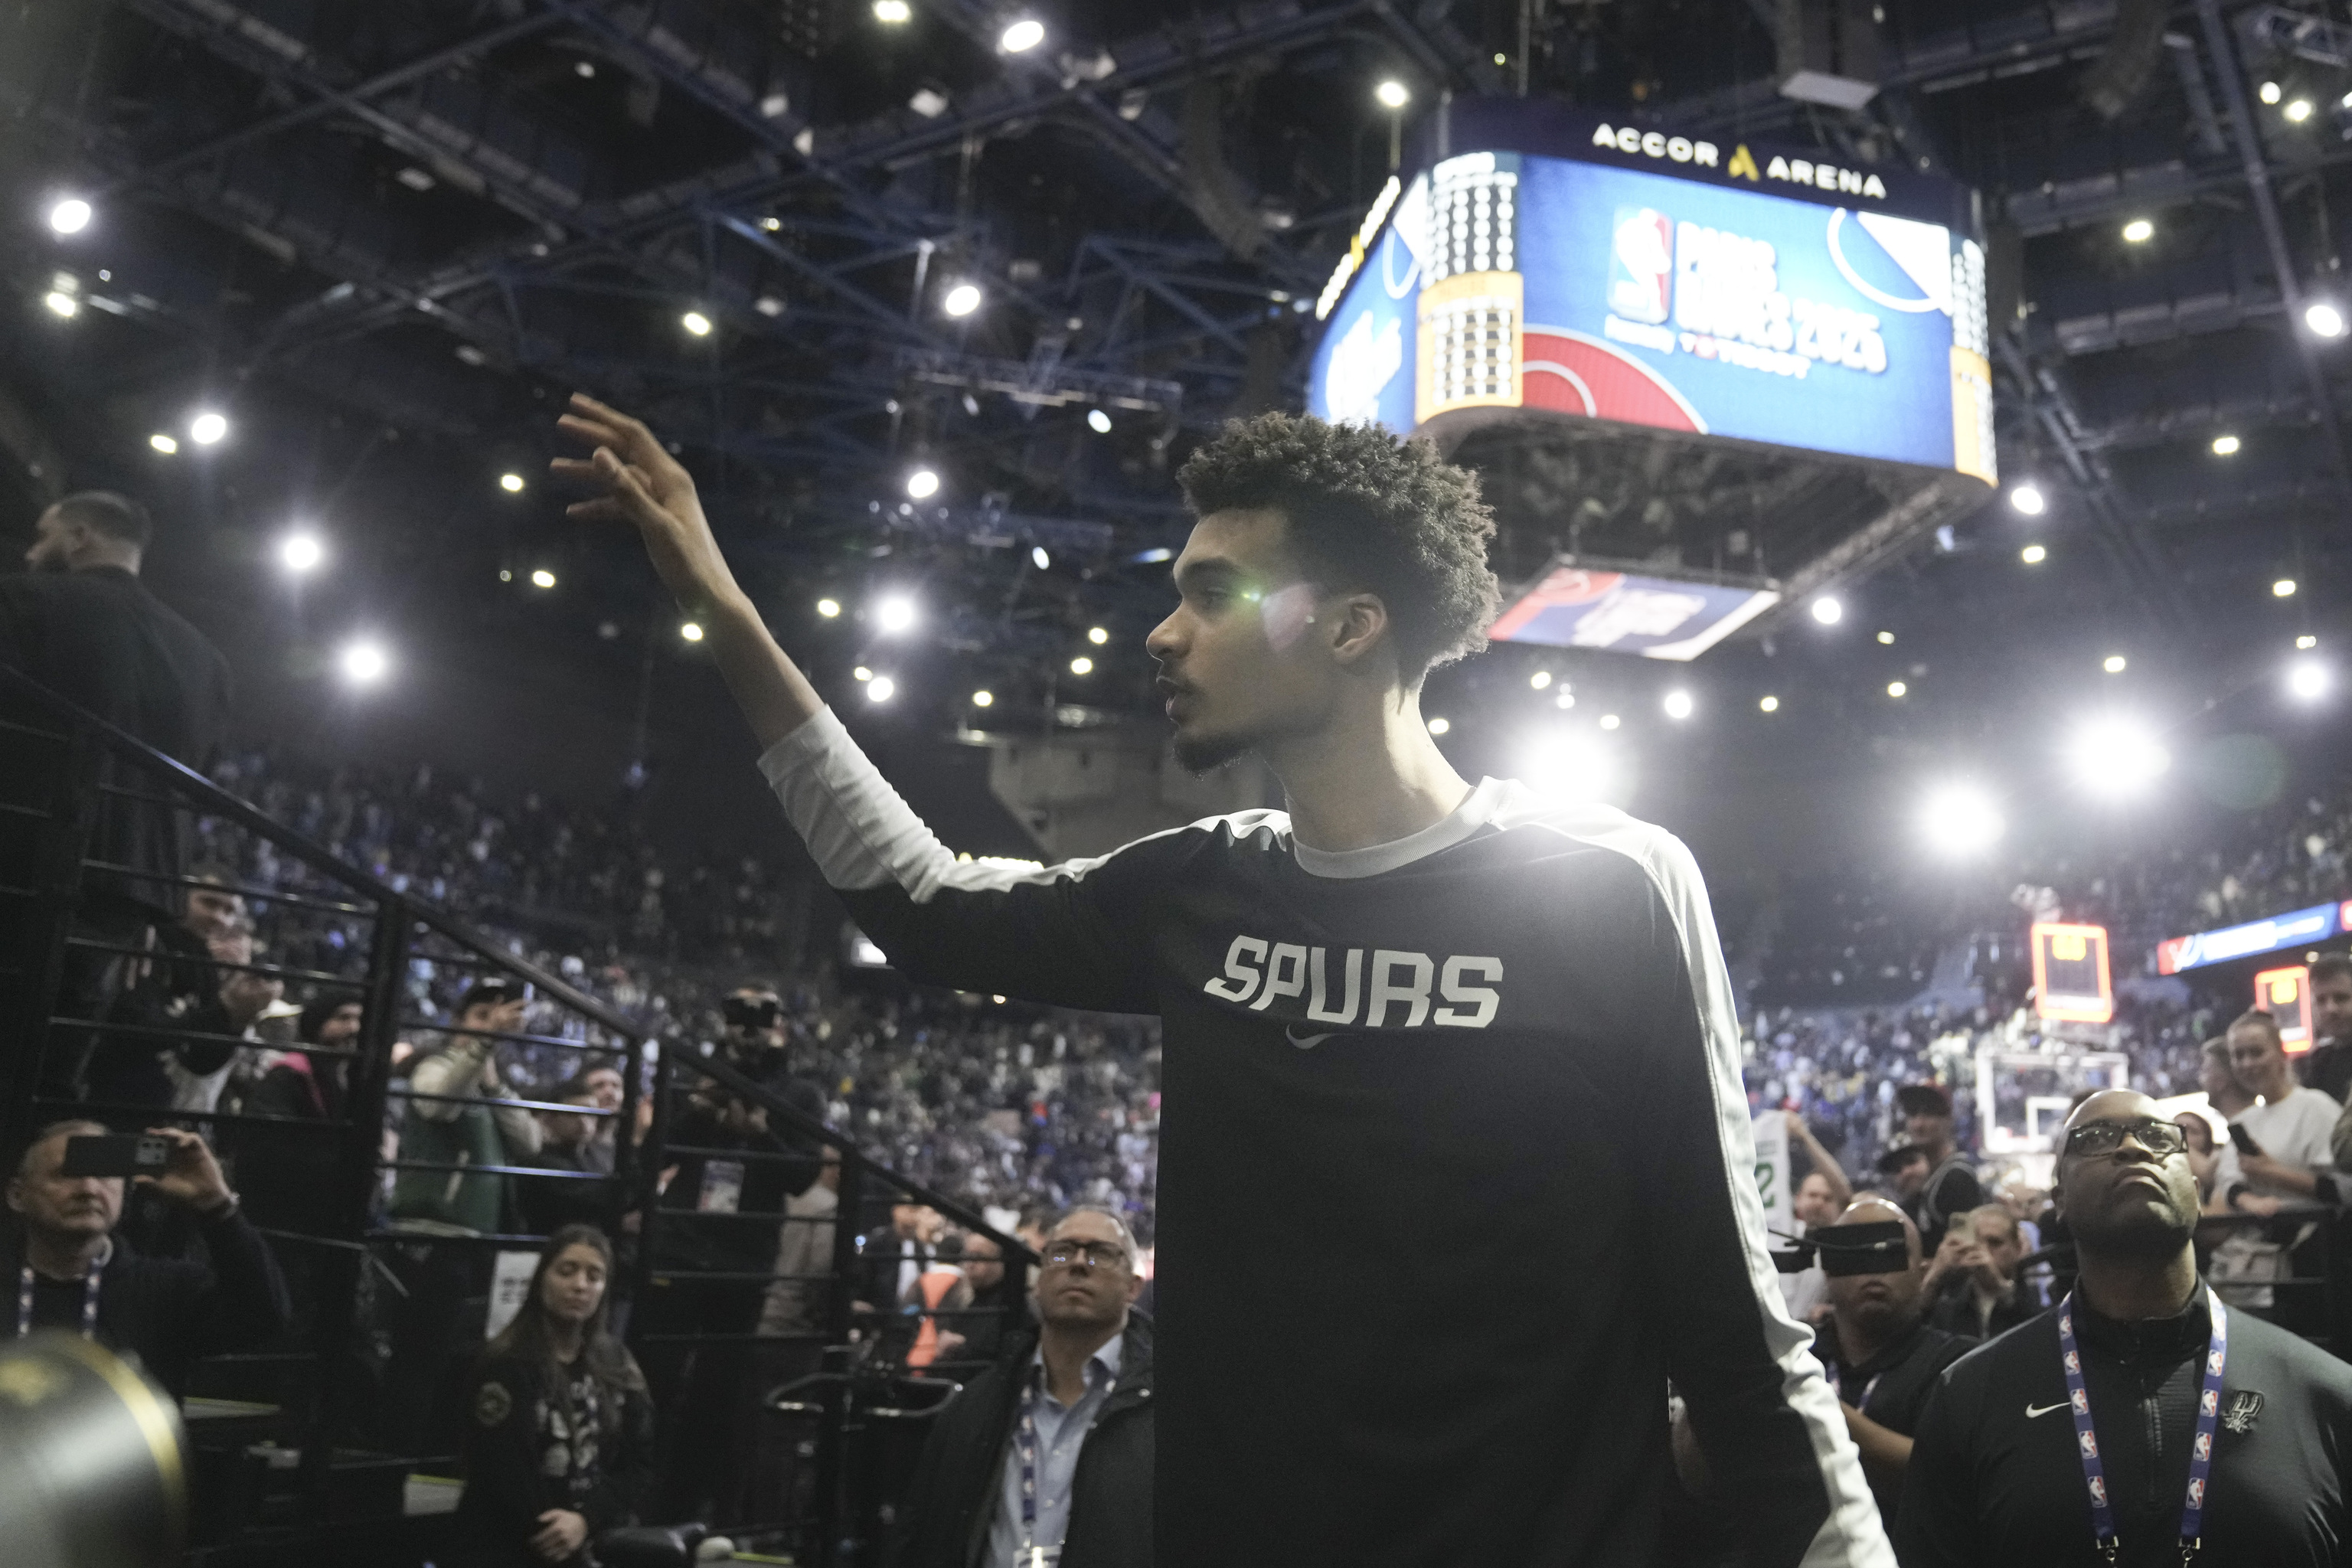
<point x="2140" y="1420"/>
<point x="1046" y="1457"/>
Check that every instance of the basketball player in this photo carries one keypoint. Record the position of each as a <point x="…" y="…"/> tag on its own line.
<point x="1454" y="1168"/>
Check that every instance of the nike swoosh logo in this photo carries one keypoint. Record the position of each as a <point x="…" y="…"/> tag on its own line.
<point x="1305" y="1042"/>
<point x="2033" y="1410"/>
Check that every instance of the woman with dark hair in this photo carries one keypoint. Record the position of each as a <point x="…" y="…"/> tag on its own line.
<point x="559" y="1442"/>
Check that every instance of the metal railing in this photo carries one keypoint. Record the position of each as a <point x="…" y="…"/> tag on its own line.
<point x="67" y="916"/>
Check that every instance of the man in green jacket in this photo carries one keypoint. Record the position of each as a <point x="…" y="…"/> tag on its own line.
<point x="445" y="1131"/>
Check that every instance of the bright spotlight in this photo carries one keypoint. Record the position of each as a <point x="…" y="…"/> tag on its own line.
<point x="2116" y="757"/>
<point x="2298" y="111"/>
<point x="206" y="428"/>
<point x="1887" y="639"/>
<point x="1571" y="766"/>
<point x="1082" y="665"/>
<point x="1392" y="94"/>
<point x="2282" y="589"/>
<point x="923" y="484"/>
<point x="2034" y="555"/>
<point x="2114" y="664"/>
<point x="298" y="552"/>
<point x="2139" y="231"/>
<point x="861" y="673"/>
<point x="2306" y="678"/>
<point x="511" y="483"/>
<point x="1677" y="704"/>
<point x="167" y="444"/>
<point x="894" y="614"/>
<point x="1539" y="680"/>
<point x="1039" y="558"/>
<point x="2225" y="446"/>
<point x="2324" y="319"/>
<point x="983" y="699"/>
<point x="1769" y="704"/>
<point x="1099" y="422"/>
<point x="829" y="608"/>
<point x="1610" y="721"/>
<point x="694" y="322"/>
<point x="70" y="216"/>
<point x="543" y="578"/>
<point x="1098" y="635"/>
<point x="961" y="301"/>
<point x="2029" y="499"/>
<point x="1439" y="724"/>
<point x="2306" y="642"/>
<point x="691" y="631"/>
<point x="1960" y="819"/>
<point x="2269" y="92"/>
<point x="365" y="663"/>
<point x="1828" y="611"/>
<point x="881" y="689"/>
<point x="1022" y="36"/>
<point x="893" y="13"/>
<point x="61" y="303"/>
<point x="1897" y="688"/>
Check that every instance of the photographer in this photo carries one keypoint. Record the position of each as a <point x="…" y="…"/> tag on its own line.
<point x="721" y="1216"/>
<point x="74" y="1273"/>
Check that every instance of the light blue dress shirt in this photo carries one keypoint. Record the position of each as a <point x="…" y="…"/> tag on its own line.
<point x="1061" y="1433"/>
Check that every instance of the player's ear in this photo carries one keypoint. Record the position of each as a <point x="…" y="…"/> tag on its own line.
<point x="1356" y="625"/>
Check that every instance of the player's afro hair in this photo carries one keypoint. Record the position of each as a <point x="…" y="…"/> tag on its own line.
<point x="1367" y="511"/>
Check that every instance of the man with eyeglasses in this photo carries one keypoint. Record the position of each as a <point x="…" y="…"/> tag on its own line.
<point x="1047" y="1457"/>
<point x="2140" y="1421"/>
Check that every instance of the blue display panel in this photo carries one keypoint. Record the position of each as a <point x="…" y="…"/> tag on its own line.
<point x="2298" y="929"/>
<point x="1628" y="612"/>
<point x="1674" y="283"/>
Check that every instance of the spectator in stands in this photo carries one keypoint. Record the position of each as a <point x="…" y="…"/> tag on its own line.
<point x="721" y="1211"/>
<point x="193" y="983"/>
<point x="2328" y="1068"/>
<point x="1818" y="1201"/>
<point x="281" y="1167"/>
<point x="604" y="1085"/>
<point x="2204" y="1154"/>
<point x="1950" y="1186"/>
<point x="1881" y="1355"/>
<point x="892" y="1257"/>
<point x="447" y="1127"/>
<point x="1838" y="1191"/>
<point x="1972" y="1287"/>
<point x="1047" y="1455"/>
<point x="999" y="1305"/>
<point x="2219" y="1079"/>
<point x="940" y="1291"/>
<point x="1997" y="1471"/>
<point x="76" y="1274"/>
<point x="568" y="1143"/>
<point x="2292" y="1127"/>
<point x="81" y="623"/>
<point x="560" y="1434"/>
<point x="796" y="1301"/>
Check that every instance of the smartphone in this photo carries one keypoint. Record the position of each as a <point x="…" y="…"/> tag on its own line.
<point x="117" y="1154"/>
<point x="2243" y="1140"/>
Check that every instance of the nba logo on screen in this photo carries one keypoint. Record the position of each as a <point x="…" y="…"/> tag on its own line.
<point x="1642" y="265"/>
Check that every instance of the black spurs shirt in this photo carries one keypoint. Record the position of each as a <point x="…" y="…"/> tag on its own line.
<point x="1454" y="1171"/>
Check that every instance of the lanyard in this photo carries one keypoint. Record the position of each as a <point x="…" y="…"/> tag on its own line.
<point x="2201" y="1449"/>
<point x="88" y="1301"/>
<point x="1837" y="1387"/>
<point x="1032" y="1554"/>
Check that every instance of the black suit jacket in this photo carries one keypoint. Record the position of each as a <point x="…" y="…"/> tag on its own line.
<point x="100" y="640"/>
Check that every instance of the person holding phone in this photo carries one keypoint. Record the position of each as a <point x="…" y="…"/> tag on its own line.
<point x="448" y="1126"/>
<point x="2278" y="1154"/>
<point x="71" y="1271"/>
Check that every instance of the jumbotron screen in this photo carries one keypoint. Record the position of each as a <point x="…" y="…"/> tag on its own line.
<point x="1555" y="262"/>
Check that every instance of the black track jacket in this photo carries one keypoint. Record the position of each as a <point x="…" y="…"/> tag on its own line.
<point x="1995" y="1478"/>
<point x="1454" y="1169"/>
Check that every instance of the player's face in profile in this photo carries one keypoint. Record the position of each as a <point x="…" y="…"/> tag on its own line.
<point x="1238" y="664"/>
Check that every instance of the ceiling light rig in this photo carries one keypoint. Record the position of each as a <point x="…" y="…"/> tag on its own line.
<point x="1022" y="35"/>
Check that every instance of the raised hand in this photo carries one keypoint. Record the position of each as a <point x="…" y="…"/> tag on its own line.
<point x="638" y="482"/>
